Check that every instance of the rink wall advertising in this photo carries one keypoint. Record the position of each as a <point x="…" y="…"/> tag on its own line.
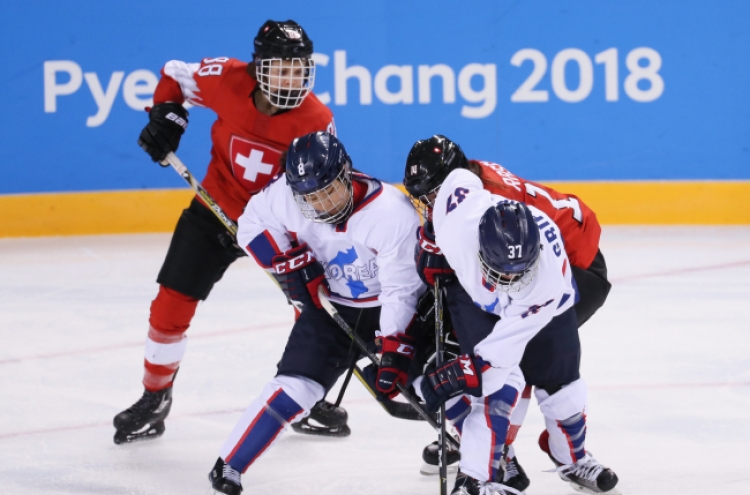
<point x="640" y="108"/>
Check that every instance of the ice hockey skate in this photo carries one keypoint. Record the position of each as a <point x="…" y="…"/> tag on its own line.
<point x="325" y="419"/>
<point x="430" y="458"/>
<point x="515" y="477"/>
<point x="587" y="475"/>
<point x="145" y="418"/>
<point x="225" y="479"/>
<point x="466" y="485"/>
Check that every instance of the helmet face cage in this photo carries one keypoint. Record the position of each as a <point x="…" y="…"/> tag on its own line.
<point x="285" y="82"/>
<point x="506" y="281"/>
<point x="428" y="164"/>
<point x="423" y="204"/>
<point x="321" y="207"/>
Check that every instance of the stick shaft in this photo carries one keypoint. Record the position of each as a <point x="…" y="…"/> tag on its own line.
<point x="183" y="171"/>
<point x="331" y="310"/>
<point x="346" y="383"/>
<point x="442" y="447"/>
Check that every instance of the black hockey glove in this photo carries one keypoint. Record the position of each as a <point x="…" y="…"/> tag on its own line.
<point x="167" y="123"/>
<point x="398" y="352"/>
<point x="462" y="375"/>
<point x="299" y="275"/>
<point x="429" y="258"/>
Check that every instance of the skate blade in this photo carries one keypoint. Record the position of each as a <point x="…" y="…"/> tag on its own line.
<point x="589" y="491"/>
<point x="146" y="433"/>
<point x="432" y="470"/>
<point x="323" y="431"/>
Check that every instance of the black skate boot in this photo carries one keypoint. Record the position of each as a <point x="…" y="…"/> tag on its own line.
<point x="430" y="458"/>
<point x="515" y="477"/>
<point x="466" y="485"/>
<point x="587" y="475"/>
<point x="325" y="419"/>
<point x="225" y="479"/>
<point x="145" y="418"/>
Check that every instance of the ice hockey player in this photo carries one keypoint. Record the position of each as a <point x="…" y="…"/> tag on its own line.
<point x="429" y="164"/>
<point x="261" y="107"/>
<point x="322" y="224"/>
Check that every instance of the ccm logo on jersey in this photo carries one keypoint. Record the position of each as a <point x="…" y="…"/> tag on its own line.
<point x="295" y="263"/>
<point x="177" y="120"/>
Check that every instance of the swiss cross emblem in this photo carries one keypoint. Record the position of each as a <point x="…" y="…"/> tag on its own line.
<point x="253" y="163"/>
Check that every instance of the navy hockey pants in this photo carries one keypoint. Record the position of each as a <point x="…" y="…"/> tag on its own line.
<point x="319" y="349"/>
<point x="552" y="357"/>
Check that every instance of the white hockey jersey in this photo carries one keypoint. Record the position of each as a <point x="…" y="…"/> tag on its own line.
<point x="459" y="206"/>
<point x="368" y="261"/>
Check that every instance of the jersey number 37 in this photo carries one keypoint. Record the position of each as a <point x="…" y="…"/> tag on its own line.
<point x="454" y="199"/>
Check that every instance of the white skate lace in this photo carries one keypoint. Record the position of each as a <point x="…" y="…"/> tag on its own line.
<point x="497" y="489"/>
<point x="587" y="468"/>
<point x="230" y="474"/>
<point x="510" y="470"/>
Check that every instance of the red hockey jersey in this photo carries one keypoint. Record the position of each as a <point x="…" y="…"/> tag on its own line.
<point x="578" y="224"/>
<point x="247" y="144"/>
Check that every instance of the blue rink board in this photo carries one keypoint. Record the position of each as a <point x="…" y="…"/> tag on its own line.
<point x="697" y="127"/>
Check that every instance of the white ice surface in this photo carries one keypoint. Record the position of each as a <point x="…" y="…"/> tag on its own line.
<point x="667" y="360"/>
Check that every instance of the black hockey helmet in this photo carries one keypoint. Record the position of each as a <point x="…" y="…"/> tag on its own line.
<point x="429" y="163"/>
<point x="313" y="163"/>
<point x="282" y="39"/>
<point x="283" y="63"/>
<point x="509" y="246"/>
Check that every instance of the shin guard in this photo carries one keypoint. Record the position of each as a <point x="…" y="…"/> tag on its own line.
<point x="284" y="400"/>
<point x="565" y="420"/>
<point x="171" y="313"/>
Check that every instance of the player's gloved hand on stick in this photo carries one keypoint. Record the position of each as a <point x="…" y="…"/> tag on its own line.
<point x="167" y="122"/>
<point x="299" y="275"/>
<point x="398" y="352"/>
<point x="462" y="375"/>
<point x="429" y="258"/>
<point x="370" y="375"/>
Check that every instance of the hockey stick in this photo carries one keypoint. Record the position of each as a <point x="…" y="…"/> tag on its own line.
<point x="400" y="410"/>
<point x="181" y="169"/>
<point x="347" y="379"/>
<point x="395" y="409"/>
<point x="442" y="447"/>
<point x="374" y="359"/>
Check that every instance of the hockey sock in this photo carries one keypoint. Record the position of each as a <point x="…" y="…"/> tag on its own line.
<point x="484" y="432"/>
<point x="518" y="415"/>
<point x="284" y="400"/>
<point x="171" y="313"/>
<point x="565" y="420"/>
<point x="456" y="411"/>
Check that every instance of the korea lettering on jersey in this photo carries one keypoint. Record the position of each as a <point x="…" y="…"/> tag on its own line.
<point x="459" y="206"/>
<point x="368" y="260"/>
